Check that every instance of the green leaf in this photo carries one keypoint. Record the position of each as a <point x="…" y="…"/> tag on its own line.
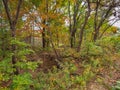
<point x="36" y="2"/>
<point x="23" y="80"/>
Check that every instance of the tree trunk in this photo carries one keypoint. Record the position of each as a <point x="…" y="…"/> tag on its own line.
<point x="13" y="30"/>
<point x="83" y="27"/>
<point x="43" y="37"/>
<point x="13" y="48"/>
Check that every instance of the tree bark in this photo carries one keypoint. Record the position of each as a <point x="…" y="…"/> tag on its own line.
<point x="43" y="37"/>
<point x="13" y="30"/>
<point x="75" y="20"/>
<point x="83" y="27"/>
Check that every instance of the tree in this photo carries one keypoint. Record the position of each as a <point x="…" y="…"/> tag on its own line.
<point x="102" y="14"/>
<point x="87" y="14"/>
<point x="13" y="23"/>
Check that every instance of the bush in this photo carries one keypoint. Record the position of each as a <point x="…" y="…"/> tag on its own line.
<point x="117" y="86"/>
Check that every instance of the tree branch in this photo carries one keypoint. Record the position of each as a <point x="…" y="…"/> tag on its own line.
<point x="17" y="12"/>
<point x="7" y="12"/>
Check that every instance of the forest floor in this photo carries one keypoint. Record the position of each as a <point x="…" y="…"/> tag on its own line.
<point x="109" y="76"/>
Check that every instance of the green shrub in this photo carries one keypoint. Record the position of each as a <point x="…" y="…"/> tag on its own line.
<point x="22" y="82"/>
<point x="67" y="78"/>
<point x="91" y="49"/>
<point x="117" y="86"/>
